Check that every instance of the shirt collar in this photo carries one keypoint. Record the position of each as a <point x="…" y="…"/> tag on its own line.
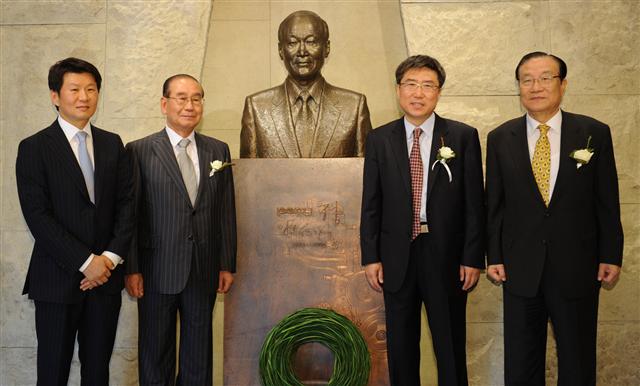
<point x="426" y="126"/>
<point x="555" y="123"/>
<point x="174" y="137"/>
<point x="70" y="130"/>
<point x="294" y="90"/>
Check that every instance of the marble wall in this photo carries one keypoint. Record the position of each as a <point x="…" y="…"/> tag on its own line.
<point x="136" y="45"/>
<point x="479" y="44"/>
<point x="231" y="45"/>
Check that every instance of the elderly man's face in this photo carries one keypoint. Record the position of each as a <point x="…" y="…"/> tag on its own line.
<point x="303" y="48"/>
<point x="541" y="89"/>
<point x="183" y="106"/>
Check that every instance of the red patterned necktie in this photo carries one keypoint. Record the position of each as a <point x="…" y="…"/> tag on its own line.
<point x="417" y="177"/>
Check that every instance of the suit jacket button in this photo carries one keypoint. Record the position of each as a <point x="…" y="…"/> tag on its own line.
<point x="544" y="242"/>
<point x="546" y="214"/>
<point x="190" y="238"/>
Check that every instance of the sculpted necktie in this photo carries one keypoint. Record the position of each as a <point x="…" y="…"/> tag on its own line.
<point x="541" y="163"/>
<point x="417" y="176"/>
<point x="304" y="125"/>
<point x="85" y="164"/>
<point x="187" y="170"/>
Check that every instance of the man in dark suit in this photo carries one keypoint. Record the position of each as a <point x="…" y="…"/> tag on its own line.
<point x="422" y="225"/>
<point x="554" y="226"/>
<point x="305" y="116"/>
<point x="184" y="249"/>
<point x="75" y="189"/>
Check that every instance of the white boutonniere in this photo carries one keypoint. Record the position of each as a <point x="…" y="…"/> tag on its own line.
<point x="217" y="166"/>
<point x="445" y="153"/>
<point x="582" y="156"/>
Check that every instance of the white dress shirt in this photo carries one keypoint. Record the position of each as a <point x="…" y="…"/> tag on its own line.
<point x="555" y="124"/>
<point x="425" y="152"/>
<point x="70" y="131"/>
<point x="192" y="149"/>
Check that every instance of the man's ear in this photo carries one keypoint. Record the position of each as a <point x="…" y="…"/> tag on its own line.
<point x="280" y="51"/>
<point x="327" y="49"/>
<point x="163" y="105"/>
<point x="55" y="98"/>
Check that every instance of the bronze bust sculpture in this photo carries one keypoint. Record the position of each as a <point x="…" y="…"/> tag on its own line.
<point x="305" y="117"/>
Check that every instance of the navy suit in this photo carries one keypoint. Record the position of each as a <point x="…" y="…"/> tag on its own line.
<point x="179" y="249"/>
<point x="425" y="270"/>
<point x="67" y="228"/>
<point x="551" y="254"/>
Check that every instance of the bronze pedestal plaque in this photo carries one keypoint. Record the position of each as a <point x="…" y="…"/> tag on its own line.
<point x="298" y="246"/>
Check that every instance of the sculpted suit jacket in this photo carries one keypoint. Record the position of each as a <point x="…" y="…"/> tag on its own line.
<point x="580" y="228"/>
<point x="455" y="210"/>
<point x="173" y="235"/>
<point x="66" y="225"/>
<point x="268" y="131"/>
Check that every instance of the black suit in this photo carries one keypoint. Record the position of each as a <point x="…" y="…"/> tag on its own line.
<point x="551" y="255"/>
<point x="67" y="228"/>
<point x="179" y="249"/>
<point x="427" y="269"/>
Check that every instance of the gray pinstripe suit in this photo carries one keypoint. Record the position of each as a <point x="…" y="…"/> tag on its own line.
<point x="179" y="249"/>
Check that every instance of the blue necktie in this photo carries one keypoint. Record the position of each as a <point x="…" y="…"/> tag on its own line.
<point x="85" y="163"/>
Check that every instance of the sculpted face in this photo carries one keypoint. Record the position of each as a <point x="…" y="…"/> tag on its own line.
<point x="541" y="89"/>
<point x="78" y="98"/>
<point x="418" y="102"/>
<point x="303" y="48"/>
<point x="183" y="106"/>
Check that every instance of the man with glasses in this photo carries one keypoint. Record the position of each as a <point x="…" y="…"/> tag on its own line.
<point x="554" y="232"/>
<point x="184" y="249"/>
<point x="422" y="224"/>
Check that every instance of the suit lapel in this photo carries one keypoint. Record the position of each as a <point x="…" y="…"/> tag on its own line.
<point x="440" y="132"/>
<point x="205" y="156"/>
<point x="327" y="120"/>
<point x="99" y="160"/>
<point x="399" y="147"/>
<point x="281" y="117"/>
<point x="572" y="137"/>
<point x="519" y="149"/>
<point x="164" y="152"/>
<point x="60" y="146"/>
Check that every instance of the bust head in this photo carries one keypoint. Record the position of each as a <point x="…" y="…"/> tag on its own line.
<point x="303" y="45"/>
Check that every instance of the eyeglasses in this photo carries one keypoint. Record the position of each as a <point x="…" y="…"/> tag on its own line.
<point x="414" y="86"/>
<point x="182" y="101"/>
<point x="544" y="81"/>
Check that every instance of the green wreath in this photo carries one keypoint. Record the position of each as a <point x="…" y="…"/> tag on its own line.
<point x="351" y="358"/>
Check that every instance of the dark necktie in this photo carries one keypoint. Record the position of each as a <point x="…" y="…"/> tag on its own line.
<point x="417" y="177"/>
<point x="304" y="125"/>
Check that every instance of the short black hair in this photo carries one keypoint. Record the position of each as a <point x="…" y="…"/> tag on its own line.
<point x="313" y="15"/>
<point x="167" y="83"/>
<point x="73" y="65"/>
<point x="421" y="61"/>
<point x="538" y="54"/>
